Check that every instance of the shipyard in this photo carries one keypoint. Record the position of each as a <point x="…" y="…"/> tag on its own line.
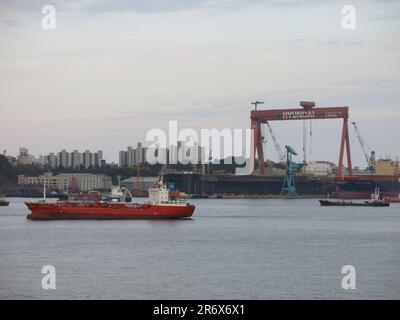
<point x="188" y="169"/>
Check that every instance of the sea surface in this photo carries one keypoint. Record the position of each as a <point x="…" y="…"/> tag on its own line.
<point x="229" y="249"/>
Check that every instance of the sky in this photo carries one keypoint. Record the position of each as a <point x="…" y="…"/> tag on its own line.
<point x="113" y="70"/>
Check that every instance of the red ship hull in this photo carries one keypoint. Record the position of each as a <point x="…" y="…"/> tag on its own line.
<point x="361" y="187"/>
<point x="392" y="200"/>
<point x="100" y="211"/>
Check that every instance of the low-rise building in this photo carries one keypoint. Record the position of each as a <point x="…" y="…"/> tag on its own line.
<point x="387" y="167"/>
<point x="144" y="184"/>
<point x="82" y="181"/>
<point x="88" y="181"/>
<point x="48" y="179"/>
<point x="319" y="168"/>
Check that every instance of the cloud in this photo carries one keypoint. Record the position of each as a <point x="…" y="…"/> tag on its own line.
<point x="299" y="3"/>
<point x="152" y="6"/>
<point x="385" y="17"/>
<point x="8" y="23"/>
<point x="160" y="6"/>
<point x="36" y="5"/>
<point x="140" y="6"/>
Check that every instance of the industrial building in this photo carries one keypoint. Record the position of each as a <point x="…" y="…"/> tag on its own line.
<point x="141" y="183"/>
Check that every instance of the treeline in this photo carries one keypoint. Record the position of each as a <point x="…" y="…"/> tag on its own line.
<point x="10" y="173"/>
<point x="7" y="172"/>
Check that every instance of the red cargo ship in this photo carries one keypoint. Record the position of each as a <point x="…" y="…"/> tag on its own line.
<point x="158" y="206"/>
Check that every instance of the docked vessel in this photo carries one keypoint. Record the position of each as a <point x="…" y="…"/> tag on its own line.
<point x="327" y="203"/>
<point x="376" y="201"/>
<point x="3" y="201"/>
<point x="386" y="177"/>
<point x="158" y="206"/>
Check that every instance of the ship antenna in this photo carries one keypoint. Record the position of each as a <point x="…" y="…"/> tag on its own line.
<point x="44" y="190"/>
<point x="162" y="174"/>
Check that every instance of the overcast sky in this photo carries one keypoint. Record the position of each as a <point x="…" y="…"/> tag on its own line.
<point x="112" y="70"/>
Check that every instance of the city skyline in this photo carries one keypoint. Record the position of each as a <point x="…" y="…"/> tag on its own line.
<point x="64" y="159"/>
<point x="111" y="71"/>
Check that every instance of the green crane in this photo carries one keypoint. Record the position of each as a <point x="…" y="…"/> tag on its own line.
<point x="289" y="187"/>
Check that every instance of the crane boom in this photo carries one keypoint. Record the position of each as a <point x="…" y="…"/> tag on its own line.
<point x="278" y="147"/>
<point x="364" y="146"/>
<point x="368" y="153"/>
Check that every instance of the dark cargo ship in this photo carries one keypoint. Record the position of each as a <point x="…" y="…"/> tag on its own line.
<point x="376" y="201"/>
<point x="386" y="178"/>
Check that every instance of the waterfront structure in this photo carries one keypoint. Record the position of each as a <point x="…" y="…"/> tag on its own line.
<point x="48" y="179"/>
<point x="87" y="181"/>
<point x="319" y="168"/>
<point x="145" y="183"/>
<point x="62" y="181"/>
<point x="307" y="111"/>
<point x="229" y="184"/>
<point x="387" y="167"/>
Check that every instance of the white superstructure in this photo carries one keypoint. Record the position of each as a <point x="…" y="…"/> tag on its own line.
<point x="159" y="195"/>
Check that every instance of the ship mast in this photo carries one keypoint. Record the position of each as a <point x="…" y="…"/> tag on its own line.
<point x="162" y="174"/>
<point x="44" y="189"/>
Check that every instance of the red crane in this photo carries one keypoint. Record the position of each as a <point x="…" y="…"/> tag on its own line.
<point x="307" y="110"/>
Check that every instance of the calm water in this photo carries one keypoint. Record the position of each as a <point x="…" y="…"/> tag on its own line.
<point x="230" y="249"/>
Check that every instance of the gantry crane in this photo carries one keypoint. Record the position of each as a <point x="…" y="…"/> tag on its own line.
<point x="256" y="103"/>
<point x="306" y="111"/>
<point x="369" y="154"/>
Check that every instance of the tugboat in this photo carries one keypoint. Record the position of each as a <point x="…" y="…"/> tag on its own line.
<point x="3" y="201"/>
<point x="376" y="201"/>
<point x="158" y="206"/>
